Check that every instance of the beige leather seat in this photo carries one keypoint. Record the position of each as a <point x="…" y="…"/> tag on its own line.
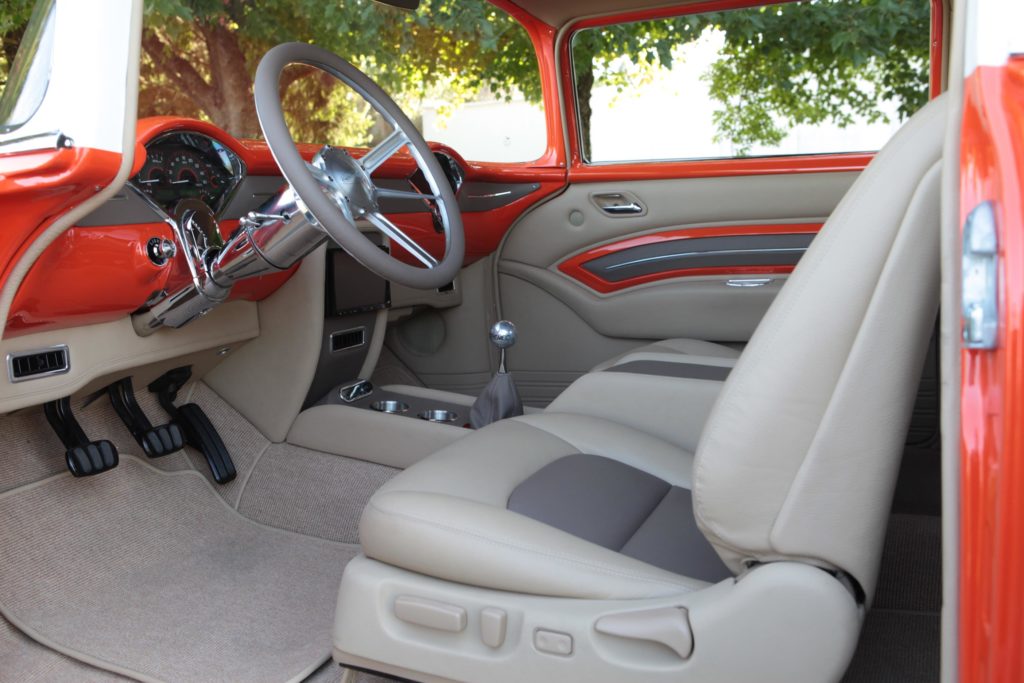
<point x="671" y="351"/>
<point x="560" y="547"/>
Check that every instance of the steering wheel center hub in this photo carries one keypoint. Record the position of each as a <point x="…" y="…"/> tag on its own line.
<point x="347" y="183"/>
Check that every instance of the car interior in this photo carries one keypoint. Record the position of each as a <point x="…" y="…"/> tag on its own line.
<point x="280" y="411"/>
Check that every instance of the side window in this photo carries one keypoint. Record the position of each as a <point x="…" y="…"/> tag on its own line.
<point x="465" y="72"/>
<point x="818" y="76"/>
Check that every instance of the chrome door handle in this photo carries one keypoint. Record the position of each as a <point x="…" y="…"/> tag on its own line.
<point x="622" y="209"/>
<point x="748" y="282"/>
<point x="618" y="204"/>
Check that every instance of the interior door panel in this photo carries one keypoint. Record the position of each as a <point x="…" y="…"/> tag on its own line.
<point x="702" y="258"/>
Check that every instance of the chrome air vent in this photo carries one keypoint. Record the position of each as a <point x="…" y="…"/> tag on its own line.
<point x="25" y="365"/>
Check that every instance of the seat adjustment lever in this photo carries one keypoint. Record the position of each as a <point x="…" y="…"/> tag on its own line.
<point x="200" y="433"/>
<point x="155" y="441"/>
<point x="669" y="626"/>
<point x="83" y="457"/>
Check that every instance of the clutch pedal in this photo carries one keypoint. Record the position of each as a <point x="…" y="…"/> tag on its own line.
<point x="155" y="441"/>
<point x="84" y="457"/>
<point x="199" y="431"/>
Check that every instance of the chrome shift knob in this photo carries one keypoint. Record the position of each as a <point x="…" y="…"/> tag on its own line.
<point x="503" y="334"/>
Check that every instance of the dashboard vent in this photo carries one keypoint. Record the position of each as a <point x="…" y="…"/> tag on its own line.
<point x="348" y="339"/>
<point x="39" y="363"/>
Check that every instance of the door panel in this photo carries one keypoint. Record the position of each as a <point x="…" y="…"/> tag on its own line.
<point x="583" y="285"/>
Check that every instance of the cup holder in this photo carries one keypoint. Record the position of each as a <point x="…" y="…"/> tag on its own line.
<point x="444" y="416"/>
<point x="390" y="406"/>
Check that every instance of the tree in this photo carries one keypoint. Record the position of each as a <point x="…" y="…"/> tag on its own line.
<point x="781" y="65"/>
<point x="807" y="62"/>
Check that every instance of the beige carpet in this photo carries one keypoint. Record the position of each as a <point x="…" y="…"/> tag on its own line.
<point x="151" y="574"/>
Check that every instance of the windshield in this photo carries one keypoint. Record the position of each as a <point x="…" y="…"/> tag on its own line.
<point x="453" y="65"/>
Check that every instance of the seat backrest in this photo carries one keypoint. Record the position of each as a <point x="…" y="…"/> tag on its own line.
<point x="799" y="457"/>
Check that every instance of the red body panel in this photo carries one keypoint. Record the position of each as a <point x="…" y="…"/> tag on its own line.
<point x="106" y="269"/>
<point x="573" y="266"/>
<point x="36" y="187"/>
<point x="992" y="392"/>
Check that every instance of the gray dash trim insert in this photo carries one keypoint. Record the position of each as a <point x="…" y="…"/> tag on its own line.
<point x="660" y="368"/>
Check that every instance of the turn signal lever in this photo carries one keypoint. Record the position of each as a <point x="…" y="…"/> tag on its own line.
<point x="499" y="399"/>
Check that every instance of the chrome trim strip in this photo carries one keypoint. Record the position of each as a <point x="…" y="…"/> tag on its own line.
<point x="21" y="354"/>
<point x="692" y="254"/>
<point x="53" y="139"/>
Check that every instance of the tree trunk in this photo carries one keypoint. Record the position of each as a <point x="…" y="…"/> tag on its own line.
<point x="226" y="97"/>
<point x="584" y="88"/>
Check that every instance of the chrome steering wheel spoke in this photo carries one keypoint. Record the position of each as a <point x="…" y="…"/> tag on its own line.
<point x="398" y="236"/>
<point x="384" y="150"/>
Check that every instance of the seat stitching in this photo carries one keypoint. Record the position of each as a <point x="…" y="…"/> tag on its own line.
<point x="598" y="567"/>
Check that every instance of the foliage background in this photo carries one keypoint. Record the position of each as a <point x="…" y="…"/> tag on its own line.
<point x="805" y="62"/>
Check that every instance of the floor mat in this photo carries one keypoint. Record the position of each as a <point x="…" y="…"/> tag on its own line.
<point x="152" y="575"/>
<point x="900" y="640"/>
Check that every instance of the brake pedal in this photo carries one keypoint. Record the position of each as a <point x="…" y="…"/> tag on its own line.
<point x="84" y="457"/>
<point x="155" y="441"/>
<point x="199" y="431"/>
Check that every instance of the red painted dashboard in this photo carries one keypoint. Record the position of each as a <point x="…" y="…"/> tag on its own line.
<point x="97" y="273"/>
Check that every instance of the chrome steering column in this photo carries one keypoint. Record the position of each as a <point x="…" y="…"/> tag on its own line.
<point x="271" y="239"/>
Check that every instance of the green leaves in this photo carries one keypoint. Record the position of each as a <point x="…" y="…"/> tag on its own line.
<point x="782" y="65"/>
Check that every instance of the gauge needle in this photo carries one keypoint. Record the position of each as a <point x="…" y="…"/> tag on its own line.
<point x="183" y="181"/>
<point x="149" y="182"/>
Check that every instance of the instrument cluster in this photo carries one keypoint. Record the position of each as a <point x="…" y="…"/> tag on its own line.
<point x="184" y="165"/>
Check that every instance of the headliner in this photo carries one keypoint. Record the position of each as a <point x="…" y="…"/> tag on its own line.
<point x="559" y="12"/>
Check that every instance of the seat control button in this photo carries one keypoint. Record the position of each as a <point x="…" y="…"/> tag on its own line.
<point x="493" y="623"/>
<point x="430" y="613"/>
<point x="552" y="642"/>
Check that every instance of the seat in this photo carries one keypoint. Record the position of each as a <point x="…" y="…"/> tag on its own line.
<point x="671" y="351"/>
<point x="560" y="547"/>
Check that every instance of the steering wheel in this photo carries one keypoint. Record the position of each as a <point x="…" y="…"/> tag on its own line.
<point x="337" y="189"/>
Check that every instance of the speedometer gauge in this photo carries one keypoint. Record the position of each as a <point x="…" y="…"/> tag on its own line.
<point x="185" y="165"/>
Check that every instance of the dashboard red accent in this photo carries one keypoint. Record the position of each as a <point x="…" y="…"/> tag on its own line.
<point x="36" y="187"/>
<point x="88" y="276"/>
<point x="573" y="266"/>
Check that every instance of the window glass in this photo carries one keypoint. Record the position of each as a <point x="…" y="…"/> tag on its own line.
<point x="807" y="77"/>
<point x="26" y="38"/>
<point x="464" y="71"/>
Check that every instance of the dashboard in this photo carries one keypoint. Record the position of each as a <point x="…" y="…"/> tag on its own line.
<point x="114" y="261"/>
<point x="187" y="165"/>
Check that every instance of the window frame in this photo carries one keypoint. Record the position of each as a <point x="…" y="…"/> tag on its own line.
<point x="581" y="170"/>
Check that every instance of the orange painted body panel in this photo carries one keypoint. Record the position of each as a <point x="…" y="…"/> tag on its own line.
<point x="36" y="187"/>
<point x="87" y="276"/>
<point x="573" y="266"/>
<point x="992" y="392"/>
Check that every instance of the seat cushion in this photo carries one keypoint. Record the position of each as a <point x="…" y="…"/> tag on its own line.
<point x="671" y="350"/>
<point x="449" y="516"/>
<point x="622" y="508"/>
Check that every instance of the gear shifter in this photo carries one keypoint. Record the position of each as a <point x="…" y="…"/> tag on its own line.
<point x="503" y="335"/>
<point x="499" y="399"/>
